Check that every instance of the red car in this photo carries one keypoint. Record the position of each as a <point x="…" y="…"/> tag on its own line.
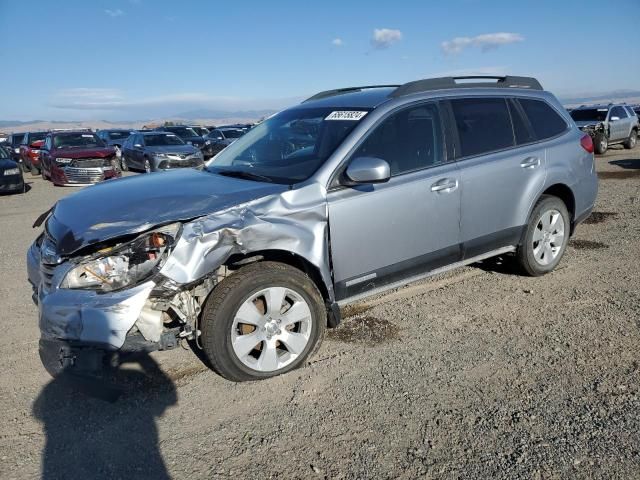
<point x="30" y="151"/>
<point x="77" y="158"/>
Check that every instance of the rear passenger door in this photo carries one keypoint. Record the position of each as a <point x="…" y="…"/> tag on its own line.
<point x="500" y="180"/>
<point x="388" y="232"/>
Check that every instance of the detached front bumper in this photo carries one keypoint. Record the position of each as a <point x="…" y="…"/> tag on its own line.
<point x="77" y="325"/>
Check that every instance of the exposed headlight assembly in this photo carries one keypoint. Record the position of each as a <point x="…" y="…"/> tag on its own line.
<point x="125" y="265"/>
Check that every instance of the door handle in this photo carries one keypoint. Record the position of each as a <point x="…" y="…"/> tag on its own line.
<point x="530" y="162"/>
<point x="445" y="185"/>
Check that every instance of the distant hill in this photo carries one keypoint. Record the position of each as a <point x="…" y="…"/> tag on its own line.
<point x="628" y="96"/>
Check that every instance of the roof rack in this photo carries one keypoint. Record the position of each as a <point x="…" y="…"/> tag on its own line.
<point x="442" y="83"/>
<point x="340" y="91"/>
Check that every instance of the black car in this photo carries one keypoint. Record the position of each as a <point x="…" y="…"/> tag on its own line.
<point x="14" y="141"/>
<point x="222" y="137"/>
<point x="190" y="137"/>
<point x="11" y="180"/>
<point x="114" y="138"/>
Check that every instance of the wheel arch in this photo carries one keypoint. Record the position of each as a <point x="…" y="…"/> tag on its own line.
<point x="564" y="193"/>
<point x="296" y="261"/>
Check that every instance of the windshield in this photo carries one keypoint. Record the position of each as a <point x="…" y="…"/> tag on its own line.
<point x="3" y="153"/>
<point x="67" y="140"/>
<point x="34" y="137"/>
<point x="200" y="131"/>
<point x="162" y="139"/>
<point x="589" y="114"/>
<point x="118" y="135"/>
<point x="183" y="132"/>
<point x="288" y="147"/>
<point x="232" y="133"/>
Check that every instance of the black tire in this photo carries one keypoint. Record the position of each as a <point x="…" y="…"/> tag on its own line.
<point x="525" y="254"/>
<point x="600" y="143"/>
<point x="225" y="300"/>
<point x="632" y="140"/>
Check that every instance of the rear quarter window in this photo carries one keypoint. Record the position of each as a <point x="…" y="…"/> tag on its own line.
<point x="483" y="125"/>
<point x="544" y="120"/>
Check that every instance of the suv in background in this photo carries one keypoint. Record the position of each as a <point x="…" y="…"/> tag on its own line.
<point x="200" y="130"/>
<point x="409" y="180"/>
<point x="156" y="151"/>
<point x="191" y="137"/>
<point x="77" y="158"/>
<point x="30" y="151"/>
<point x="607" y="125"/>
<point x="114" y="138"/>
<point x="13" y="142"/>
<point x="222" y="137"/>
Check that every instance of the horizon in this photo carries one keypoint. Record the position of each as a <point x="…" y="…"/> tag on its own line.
<point x="112" y="61"/>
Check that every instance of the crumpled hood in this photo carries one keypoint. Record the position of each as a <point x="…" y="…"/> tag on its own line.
<point x="135" y="204"/>
<point x="101" y="152"/>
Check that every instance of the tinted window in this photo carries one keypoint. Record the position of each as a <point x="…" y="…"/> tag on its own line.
<point x="589" y="114"/>
<point x="483" y="125"/>
<point x="162" y="139"/>
<point x="16" y="139"/>
<point x="408" y="140"/>
<point x="545" y="121"/>
<point x="520" y="126"/>
<point x="630" y="111"/>
<point x="117" y="135"/>
<point x="618" y="112"/>
<point x="232" y="133"/>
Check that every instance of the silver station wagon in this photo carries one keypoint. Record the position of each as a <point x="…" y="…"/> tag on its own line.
<point x="350" y="193"/>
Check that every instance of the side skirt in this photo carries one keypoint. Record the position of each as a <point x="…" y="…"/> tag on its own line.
<point x="422" y="276"/>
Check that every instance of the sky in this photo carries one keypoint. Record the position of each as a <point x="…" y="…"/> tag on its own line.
<point x="143" y="59"/>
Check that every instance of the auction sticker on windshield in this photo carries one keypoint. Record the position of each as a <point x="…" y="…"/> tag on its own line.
<point x="345" y="115"/>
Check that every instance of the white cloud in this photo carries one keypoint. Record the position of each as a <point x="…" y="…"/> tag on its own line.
<point x="385" y="37"/>
<point x="337" y="42"/>
<point x="114" y="13"/>
<point x="485" y="42"/>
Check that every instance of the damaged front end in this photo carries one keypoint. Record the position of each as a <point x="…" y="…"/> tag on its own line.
<point x="595" y="129"/>
<point x="141" y="292"/>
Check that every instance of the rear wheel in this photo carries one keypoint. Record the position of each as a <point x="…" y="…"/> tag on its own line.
<point x="546" y="238"/>
<point x="600" y="143"/>
<point x="264" y="320"/>
<point x="632" y="140"/>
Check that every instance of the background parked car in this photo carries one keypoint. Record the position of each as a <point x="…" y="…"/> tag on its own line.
<point x="30" y="151"/>
<point x="156" y="150"/>
<point x="11" y="179"/>
<point x="200" y="130"/>
<point x="191" y="137"/>
<point x="114" y="138"/>
<point x="222" y="137"/>
<point x="607" y="125"/>
<point x="14" y="141"/>
<point x="77" y="158"/>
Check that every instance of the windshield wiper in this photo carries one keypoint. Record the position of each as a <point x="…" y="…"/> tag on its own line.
<point x="244" y="175"/>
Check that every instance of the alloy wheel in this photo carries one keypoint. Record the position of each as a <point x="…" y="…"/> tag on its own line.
<point x="271" y="329"/>
<point x="548" y="237"/>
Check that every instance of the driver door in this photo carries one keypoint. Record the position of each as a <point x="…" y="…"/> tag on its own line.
<point x="385" y="233"/>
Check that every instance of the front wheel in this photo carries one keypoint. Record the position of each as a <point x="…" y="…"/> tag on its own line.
<point x="600" y="143"/>
<point x="264" y="320"/>
<point x="147" y="165"/>
<point x="546" y="238"/>
<point x="631" y="141"/>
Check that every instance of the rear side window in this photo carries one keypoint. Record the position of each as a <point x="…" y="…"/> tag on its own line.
<point x="521" y="129"/>
<point x="483" y="125"/>
<point x="545" y="121"/>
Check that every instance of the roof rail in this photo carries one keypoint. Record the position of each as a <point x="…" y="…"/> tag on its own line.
<point x="340" y="91"/>
<point x="442" y="83"/>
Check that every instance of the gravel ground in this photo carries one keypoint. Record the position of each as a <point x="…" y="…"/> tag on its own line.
<point x="478" y="373"/>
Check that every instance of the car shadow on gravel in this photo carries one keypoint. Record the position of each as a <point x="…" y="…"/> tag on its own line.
<point x="501" y="264"/>
<point x="630" y="164"/>
<point x="89" y="438"/>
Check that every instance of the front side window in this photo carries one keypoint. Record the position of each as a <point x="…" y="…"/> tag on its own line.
<point x="545" y="121"/>
<point x="619" y="112"/>
<point x="288" y="147"/>
<point x="408" y="140"/>
<point x="483" y="125"/>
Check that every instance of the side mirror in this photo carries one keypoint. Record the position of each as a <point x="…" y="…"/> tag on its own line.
<point x="614" y="119"/>
<point x="137" y="145"/>
<point x="368" y="170"/>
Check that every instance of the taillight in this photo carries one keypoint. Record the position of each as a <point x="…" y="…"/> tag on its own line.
<point x="587" y="143"/>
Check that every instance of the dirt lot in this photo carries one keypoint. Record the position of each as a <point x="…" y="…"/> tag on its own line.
<point x="474" y="374"/>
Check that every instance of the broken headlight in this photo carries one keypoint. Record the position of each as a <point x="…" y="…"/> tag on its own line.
<point x="124" y="265"/>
